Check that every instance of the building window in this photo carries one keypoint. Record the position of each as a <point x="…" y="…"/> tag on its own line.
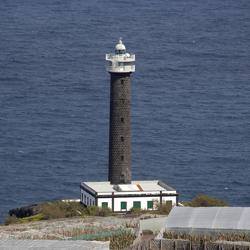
<point x="123" y="205"/>
<point x="122" y="157"/>
<point x="82" y="197"/>
<point x="122" y="82"/>
<point x="104" y="204"/>
<point x="87" y="200"/>
<point x="122" y="138"/>
<point x="150" y="204"/>
<point x="122" y="119"/>
<point x="136" y="204"/>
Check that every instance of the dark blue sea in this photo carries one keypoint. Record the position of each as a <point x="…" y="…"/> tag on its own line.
<point x="190" y="96"/>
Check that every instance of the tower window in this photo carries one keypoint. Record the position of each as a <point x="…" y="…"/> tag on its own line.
<point x="122" y="157"/>
<point x="122" y="82"/>
<point x="122" y="138"/>
<point x="122" y="119"/>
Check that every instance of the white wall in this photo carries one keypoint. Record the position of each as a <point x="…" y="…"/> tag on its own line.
<point x="143" y="200"/>
<point x="169" y="198"/>
<point x="87" y="199"/>
<point x="101" y="200"/>
<point x="130" y="200"/>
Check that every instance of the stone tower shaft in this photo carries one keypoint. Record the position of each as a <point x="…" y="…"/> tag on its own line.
<point x="119" y="129"/>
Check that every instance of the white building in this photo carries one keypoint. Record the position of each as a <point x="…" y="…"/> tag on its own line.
<point x="122" y="197"/>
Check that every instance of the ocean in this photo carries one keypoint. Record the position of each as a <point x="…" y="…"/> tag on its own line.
<point x="190" y="96"/>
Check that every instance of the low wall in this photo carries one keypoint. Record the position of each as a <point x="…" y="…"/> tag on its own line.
<point x="169" y="244"/>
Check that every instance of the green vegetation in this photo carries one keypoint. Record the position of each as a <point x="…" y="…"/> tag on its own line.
<point x="14" y="220"/>
<point x="55" y="210"/>
<point x="59" y="209"/>
<point x="119" y="238"/>
<point x="121" y="241"/>
<point x="98" y="211"/>
<point x="164" y="208"/>
<point x="136" y="211"/>
<point x="203" y="200"/>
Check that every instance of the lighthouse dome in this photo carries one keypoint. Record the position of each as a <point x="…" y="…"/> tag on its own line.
<point x="120" y="47"/>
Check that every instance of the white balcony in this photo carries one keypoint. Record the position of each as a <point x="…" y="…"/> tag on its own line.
<point x="120" y="69"/>
<point x="120" y="58"/>
<point x="120" y="63"/>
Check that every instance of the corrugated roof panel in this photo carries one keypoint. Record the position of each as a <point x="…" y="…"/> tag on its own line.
<point x="244" y="221"/>
<point x="227" y="217"/>
<point x="221" y="218"/>
<point x="208" y="218"/>
<point x="179" y="218"/>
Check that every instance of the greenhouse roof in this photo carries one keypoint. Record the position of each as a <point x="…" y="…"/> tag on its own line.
<point x="209" y="218"/>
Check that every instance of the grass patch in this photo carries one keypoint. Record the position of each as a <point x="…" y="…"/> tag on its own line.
<point x="14" y="220"/>
<point x="60" y="209"/>
<point x="203" y="200"/>
<point x="57" y="210"/>
<point x="121" y="241"/>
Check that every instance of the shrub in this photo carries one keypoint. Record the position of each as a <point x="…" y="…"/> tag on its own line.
<point x="11" y="220"/>
<point x="59" y="209"/>
<point x="203" y="200"/>
<point x="105" y="212"/>
<point x="22" y="212"/>
<point x="98" y="211"/>
<point x="122" y="241"/>
<point x="164" y="208"/>
<point x="135" y="210"/>
<point x="56" y="210"/>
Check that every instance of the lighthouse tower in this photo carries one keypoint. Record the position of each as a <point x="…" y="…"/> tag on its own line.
<point x="119" y="193"/>
<point x="120" y="65"/>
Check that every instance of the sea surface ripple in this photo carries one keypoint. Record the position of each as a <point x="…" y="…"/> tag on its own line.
<point x="190" y="96"/>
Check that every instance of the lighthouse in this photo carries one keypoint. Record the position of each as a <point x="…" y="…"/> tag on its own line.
<point x="120" y="193"/>
<point x="120" y="65"/>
